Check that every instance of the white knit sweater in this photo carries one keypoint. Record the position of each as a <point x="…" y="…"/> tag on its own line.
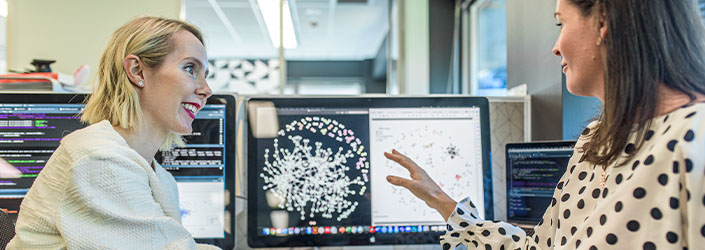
<point x="98" y="193"/>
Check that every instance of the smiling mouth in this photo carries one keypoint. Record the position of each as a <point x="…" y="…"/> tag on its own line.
<point x="191" y="109"/>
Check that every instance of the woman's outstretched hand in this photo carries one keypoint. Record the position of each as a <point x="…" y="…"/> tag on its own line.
<point x="421" y="185"/>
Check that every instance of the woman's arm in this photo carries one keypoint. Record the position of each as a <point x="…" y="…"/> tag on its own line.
<point x="464" y="224"/>
<point x="109" y="202"/>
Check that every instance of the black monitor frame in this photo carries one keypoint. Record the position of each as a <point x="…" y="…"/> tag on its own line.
<point x="228" y="99"/>
<point x="508" y="170"/>
<point x="362" y="102"/>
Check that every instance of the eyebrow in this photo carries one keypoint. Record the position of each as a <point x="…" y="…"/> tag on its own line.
<point x="193" y="59"/>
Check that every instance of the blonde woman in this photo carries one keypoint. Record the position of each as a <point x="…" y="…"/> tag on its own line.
<point x="102" y="188"/>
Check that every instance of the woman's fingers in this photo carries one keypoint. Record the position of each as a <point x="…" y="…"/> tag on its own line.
<point x="402" y="160"/>
<point x="399" y="181"/>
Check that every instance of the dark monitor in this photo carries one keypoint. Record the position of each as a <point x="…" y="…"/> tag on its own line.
<point x="533" y="171"/>
<point x="31" y="126"/>
<point x="317" y="169"/>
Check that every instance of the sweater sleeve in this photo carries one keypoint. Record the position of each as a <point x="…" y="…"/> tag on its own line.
<point x="108" y="202"/>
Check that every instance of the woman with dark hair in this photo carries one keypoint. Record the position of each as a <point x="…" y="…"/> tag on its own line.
<point x="636" y="179"/>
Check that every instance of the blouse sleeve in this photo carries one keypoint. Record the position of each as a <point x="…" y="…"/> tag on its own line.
<point x="691" y="169"/>
<point x="108" y="202"/>
<point x="464" y="227"/>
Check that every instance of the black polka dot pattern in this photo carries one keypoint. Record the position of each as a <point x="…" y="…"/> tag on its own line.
<point x="663" y="179"/>
<point x="630" y="149"/>
<point x="618" y="206"/>
<point x="649" y="246"/>
<point x="611" y="239"/>
<point x="689" y="135"/>
<point x="649" y="160"/>
<point x="656" y="214"/>
<point x="672" y="237"/>
<point x="634" y="208"/>
<point x="639" y="193"/>
<point x="648" y="135"/>
<point x="633" y="226"/>
<point x="671" y="145"/>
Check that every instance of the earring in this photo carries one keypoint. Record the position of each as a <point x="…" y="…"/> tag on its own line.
<point x="140" y="83"/>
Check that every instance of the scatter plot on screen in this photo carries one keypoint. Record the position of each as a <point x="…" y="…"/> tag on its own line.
<point x="317" y="167"/>
<point x="446" y="149"/>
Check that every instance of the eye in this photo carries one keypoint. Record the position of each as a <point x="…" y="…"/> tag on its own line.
<point x="189" y="69"/>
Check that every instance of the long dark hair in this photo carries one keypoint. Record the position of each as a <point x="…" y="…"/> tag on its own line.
<point x="649" y="43"/>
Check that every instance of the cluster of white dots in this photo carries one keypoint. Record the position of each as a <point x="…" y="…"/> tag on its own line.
<point x="317" y="177"/>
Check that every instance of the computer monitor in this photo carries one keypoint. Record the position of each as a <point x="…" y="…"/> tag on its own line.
<point x="31" y="126"/>
<point x="317" y="169"/>
<point x="533" y="171"/>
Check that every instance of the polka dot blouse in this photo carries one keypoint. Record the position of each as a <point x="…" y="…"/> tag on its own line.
<point x="655" y="201"/>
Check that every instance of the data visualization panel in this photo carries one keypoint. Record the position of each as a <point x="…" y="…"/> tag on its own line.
<point x="444" y="141"/>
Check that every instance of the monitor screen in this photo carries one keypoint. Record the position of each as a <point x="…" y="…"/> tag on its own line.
<point x="31" y="126"/>
<point x="318" y="172"/>
<point x="533" y="171"/>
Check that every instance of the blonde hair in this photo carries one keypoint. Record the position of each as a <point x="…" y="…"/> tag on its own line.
<point x="115" y="98"/>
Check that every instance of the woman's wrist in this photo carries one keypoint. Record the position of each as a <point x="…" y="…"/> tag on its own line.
<point x="444" y="205"/>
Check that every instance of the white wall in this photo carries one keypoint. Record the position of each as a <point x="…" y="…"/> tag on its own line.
<point x="3" y="37"/>
<point x="72" y="32"/>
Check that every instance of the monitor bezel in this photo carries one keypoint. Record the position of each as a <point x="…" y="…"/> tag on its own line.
<point x="508" y="170"/>
<point x="256" y="241"/>
<point x="230" y="167"/>
<point x="79" y="98"/>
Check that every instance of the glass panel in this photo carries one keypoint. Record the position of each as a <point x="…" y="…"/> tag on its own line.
<point x="490" y="48"/>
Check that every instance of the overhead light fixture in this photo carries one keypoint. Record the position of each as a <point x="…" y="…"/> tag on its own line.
<point x="270" y="14"/>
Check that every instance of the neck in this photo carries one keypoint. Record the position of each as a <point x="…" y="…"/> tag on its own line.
<point x="671" y="99"/>
<point x="144" y="140"/>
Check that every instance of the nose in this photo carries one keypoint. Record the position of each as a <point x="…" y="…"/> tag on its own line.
<point x="204" y="91"/>
<point x="555" y="48"/>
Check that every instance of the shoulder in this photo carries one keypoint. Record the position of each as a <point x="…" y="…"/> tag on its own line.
<point x="587" y="133"/>
<point x="93" y="135"/>
<point x="681" y="133"/>
<point x="683" y="128"/>
<point x="97" y="138"/>
<point x="98" y="143"/>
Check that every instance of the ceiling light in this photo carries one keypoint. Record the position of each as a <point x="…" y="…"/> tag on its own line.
<point x="270" y="14"/>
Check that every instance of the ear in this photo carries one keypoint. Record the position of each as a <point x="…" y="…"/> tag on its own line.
<point x="134" y="69"/>
<point x="602" y="25"/>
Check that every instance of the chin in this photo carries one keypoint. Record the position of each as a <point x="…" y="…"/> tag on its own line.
<point x="185" y="129"/>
